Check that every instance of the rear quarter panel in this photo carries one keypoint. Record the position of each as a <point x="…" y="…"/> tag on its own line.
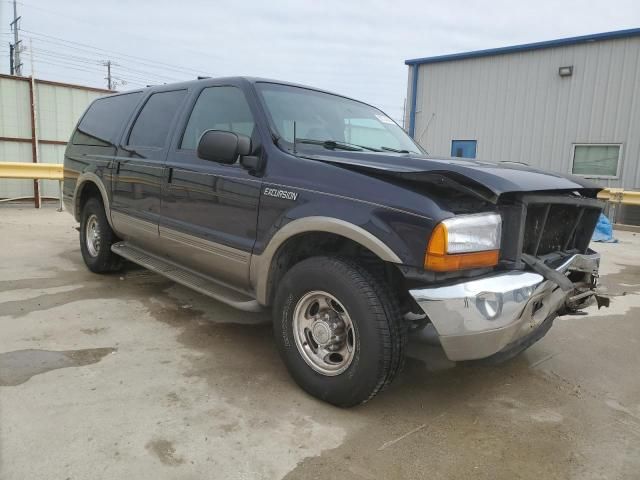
<point x="86" y="164"/>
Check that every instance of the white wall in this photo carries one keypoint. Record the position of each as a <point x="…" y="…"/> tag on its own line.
<point x="519" y="109"/>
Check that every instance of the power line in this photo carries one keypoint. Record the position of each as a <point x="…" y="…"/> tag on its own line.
<point x="83" y="21"/>
<point x="145" y="77"/>
<point x="97" y="70"/>
<point x="81" y="63"/>
<point x="84" y="46"/>
<point x="119" y="70"/>
<point x="52" y="12"/>
<point x="81" y="78"/>
<point x="71" y="66"/>
<point x="161" y="77"/>
<point x="83" y="59"/>
<point x="87" y="78"/>
<point x="64" y="55"/>
<point x="62" y="59"/>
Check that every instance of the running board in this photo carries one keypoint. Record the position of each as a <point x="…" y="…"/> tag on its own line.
<point x="199" y="283"/>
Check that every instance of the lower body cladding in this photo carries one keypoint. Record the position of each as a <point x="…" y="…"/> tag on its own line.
<point x="479" y="318"/>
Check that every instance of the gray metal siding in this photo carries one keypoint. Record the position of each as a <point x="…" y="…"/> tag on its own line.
<point x="519" y="109"/>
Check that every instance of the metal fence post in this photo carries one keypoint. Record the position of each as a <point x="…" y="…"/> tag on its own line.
<point x="61" y="206"/>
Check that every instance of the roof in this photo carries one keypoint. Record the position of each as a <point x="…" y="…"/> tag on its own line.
<point x="595" y="37"/>
<point x="216" y="81"/>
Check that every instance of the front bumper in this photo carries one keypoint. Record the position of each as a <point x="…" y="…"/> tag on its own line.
<point x="478" y="318"/>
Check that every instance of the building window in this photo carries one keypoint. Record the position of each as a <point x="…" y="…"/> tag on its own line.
<point x="463" y="148"/>
<point x="596" y="160"/>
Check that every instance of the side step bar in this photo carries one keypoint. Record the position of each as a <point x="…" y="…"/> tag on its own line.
<point x="199" y="283"/>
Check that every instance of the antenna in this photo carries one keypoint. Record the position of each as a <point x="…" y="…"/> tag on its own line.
<point x="294" y="137"/>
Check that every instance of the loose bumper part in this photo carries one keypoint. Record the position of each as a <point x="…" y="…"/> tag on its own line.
<point x="478" y="318"/>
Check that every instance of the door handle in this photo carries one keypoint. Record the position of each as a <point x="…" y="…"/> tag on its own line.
<point x="117" y="167"/>
<point x="170" y="175"/>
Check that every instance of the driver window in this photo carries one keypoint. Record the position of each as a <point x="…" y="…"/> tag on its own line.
<point x="218" y="108"/>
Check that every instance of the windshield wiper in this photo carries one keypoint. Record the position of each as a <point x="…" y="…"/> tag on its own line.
<point x="334" y="145"/>
<point x="389" y="149"/>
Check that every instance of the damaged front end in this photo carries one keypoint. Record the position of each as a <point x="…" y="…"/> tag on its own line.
<point x="546" y="269"/>
<point x="487" y="297"/>
<point x="482" y="317"/>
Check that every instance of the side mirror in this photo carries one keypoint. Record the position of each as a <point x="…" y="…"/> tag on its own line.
<point x="223" y="147"/>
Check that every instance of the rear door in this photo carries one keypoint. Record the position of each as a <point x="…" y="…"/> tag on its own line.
<point x="209" y="209"/>
<point x="139" y="169"/>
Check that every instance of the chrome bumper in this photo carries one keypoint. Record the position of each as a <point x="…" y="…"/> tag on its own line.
<point x="478" y="318"/>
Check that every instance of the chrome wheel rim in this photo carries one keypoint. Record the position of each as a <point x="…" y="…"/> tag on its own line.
<point x="92" y="236"/>
<point x="324" y="333"/>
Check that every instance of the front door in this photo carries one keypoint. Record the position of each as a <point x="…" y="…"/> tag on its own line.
<point x="209" y="210"/>
<point x="139" y="169"/>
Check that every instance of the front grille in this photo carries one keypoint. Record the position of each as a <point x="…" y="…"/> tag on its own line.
<point x="540" y="225"/>
<point x="558" y="227"/>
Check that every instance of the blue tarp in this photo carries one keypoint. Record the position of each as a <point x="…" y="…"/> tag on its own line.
<point x="603" y="231"/>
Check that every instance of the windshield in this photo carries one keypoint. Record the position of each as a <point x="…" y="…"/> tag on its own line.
<point x="330" y="121"/>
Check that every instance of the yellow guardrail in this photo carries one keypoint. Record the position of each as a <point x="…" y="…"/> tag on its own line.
<point x="34" y="171"/>
<point x="620" y="195"/>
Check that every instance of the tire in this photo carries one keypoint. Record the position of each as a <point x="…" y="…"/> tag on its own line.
<point x="376" y="334"/>
<point x="97" y="255"/>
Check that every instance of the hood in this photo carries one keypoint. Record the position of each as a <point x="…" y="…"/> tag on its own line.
<point x="487" y="179"/>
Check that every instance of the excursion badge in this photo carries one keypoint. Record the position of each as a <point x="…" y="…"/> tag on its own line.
<point x="277" y="193"/>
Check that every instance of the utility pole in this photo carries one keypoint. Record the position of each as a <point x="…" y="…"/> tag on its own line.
<point x="17" y="64"/>
<point x="35" y="150"/>
<point x="11" y="58"/>
<point x="108" y="77"/>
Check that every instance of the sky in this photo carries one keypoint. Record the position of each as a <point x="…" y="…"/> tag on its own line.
<point x="356" y="48"/>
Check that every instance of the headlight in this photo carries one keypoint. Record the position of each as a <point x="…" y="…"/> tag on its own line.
<point x="464" y="241"/>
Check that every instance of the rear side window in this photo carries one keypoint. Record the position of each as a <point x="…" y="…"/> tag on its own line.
<point x="104" y="119"/>
<point x="151" y="128"/>
<point x="218" y="108"/>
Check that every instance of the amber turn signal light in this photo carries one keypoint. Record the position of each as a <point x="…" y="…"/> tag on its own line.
<point x="437" y="259"/>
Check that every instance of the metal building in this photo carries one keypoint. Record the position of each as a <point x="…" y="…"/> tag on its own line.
<point x="569" y="105"/>
<point x="55" y="107"/>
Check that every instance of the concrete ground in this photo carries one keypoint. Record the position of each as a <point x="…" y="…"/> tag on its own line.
<point x="132" y="376"/>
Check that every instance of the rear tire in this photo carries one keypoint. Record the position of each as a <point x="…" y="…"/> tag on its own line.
<point x="96" y="238"/>
<point x="324" y="298"/>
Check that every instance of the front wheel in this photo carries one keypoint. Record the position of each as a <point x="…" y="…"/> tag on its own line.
<point x="338" y="329"/>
